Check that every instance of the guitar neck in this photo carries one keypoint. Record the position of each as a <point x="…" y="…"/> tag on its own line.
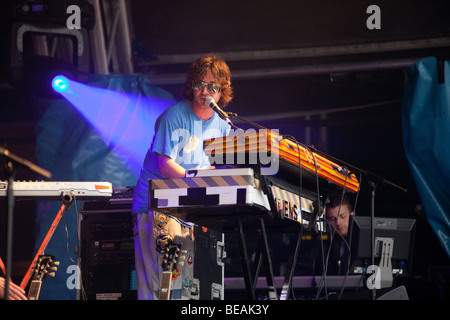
<point x="35" y="289"/>
<point x="165" y="286"/>
<point x="169" y="265"/>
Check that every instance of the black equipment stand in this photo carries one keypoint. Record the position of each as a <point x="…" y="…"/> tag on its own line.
<point x="262" y="256"/>
<point x="10" y="171"/>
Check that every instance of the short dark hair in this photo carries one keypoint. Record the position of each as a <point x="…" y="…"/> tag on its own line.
<point x="219" y="70"/>
<point x="335" y="199"/>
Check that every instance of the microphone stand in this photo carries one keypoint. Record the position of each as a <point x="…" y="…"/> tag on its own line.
<point x="370" y="175"/>
<point x="25" y="163"/>
<point x="234" y="115"/>
<point x="10" y="170"/>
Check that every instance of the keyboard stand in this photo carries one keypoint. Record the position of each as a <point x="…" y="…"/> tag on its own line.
<point x="262" y="258"/>
<point x="292" y="262"/>
<point x="261" y="252"/>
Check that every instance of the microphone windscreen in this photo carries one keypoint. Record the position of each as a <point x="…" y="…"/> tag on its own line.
<point x="209" y="100"/>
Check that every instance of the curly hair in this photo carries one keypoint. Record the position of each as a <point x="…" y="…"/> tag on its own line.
<point x="219" y="70"/>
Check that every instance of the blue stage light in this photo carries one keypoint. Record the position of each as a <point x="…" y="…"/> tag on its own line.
<point x="60" y="83"/>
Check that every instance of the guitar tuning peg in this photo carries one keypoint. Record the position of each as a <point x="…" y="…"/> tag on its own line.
<point x="51" y="274"/>
<point x="54" y="269"/>
<point x="56" y="263"/>
<point x="181" y="263"/>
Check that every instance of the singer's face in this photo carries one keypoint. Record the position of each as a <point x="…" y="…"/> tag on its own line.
<point x="200" y="95"/>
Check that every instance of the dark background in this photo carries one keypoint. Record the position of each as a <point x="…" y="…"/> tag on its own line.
<point x="311" y="69"/>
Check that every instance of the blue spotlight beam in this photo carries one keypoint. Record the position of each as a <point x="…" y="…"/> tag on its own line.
<point x="124" y="121"/>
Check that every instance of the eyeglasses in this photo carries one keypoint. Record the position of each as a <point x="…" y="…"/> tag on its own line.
<point x="211" y="86"/>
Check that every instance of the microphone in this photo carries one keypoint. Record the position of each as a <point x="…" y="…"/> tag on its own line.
<point x="213" y="105"/>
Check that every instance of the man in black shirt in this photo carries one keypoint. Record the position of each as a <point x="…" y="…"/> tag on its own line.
<point x="316" y="252"/>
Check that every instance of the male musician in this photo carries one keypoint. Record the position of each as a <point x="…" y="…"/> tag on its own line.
<point x="177" y="146"/>
<point x="337" y="214"/>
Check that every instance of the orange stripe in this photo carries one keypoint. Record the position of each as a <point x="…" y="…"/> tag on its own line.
<point x="287" y="150"/>
<point x="101" y="187"/>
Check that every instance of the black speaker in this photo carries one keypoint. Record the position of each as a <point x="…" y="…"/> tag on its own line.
<point x="107" y="251"/>
<point x="398" y="293"/>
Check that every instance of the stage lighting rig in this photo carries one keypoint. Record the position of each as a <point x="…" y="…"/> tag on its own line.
<point x="60" y="83"/>
<point x="52" y="12"/>
<point x="47" y="76"/>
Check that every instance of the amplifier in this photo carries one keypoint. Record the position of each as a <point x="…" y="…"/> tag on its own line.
<point x="107" y="251"/>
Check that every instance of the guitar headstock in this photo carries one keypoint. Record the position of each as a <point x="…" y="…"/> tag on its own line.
<point x="172" y="255"/>
<point x="45" y="265"/>
<point x="170" y="258"/>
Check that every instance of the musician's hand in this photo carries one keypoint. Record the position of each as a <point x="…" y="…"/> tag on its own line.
<point x="15" y="292"/>
<point x="169" y="168"/>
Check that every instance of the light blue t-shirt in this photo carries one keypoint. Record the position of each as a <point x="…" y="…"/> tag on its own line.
<point x="179" y="134"/>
